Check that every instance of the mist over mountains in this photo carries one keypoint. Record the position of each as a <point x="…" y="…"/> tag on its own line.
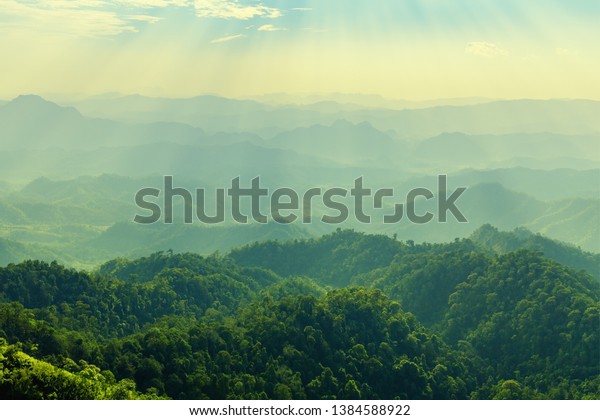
<point x="222" y="114"/>
<point x="491" y="304"/>
<point x="70" y="170"/>
<point x="254" y="200"/>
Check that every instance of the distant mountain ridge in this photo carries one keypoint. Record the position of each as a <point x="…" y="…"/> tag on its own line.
<point x="342" y="141"/>
<point x="207" y="141"/>
<point x="215" y="114"/>
<point x="475" y="150"/>
<point x="59" y="142"/>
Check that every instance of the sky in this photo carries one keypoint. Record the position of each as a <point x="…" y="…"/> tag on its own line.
<point x="400" y="49"/>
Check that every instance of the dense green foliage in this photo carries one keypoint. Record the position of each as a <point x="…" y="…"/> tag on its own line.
<point x="332" y="259"/>
<point x="521" y="238"/>
<point x="344" y="316"/>
<point x="24" y="377"/>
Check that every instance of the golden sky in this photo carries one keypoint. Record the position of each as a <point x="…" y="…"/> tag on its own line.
<point x="405" y="49"/>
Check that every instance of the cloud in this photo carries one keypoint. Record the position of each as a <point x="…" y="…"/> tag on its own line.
<point x="485" y="49"/>
<point x="59" y="4"/>
<point x="109" y="18"/>
<point x="150" y="4"/>
<point x="84" y="18"/>
<point x="227" y="38"/>
<point x="144" y="18"/>
<point x="234" y="9"/>
<point x="80" y="18"/>
<point x="270" y="28"/>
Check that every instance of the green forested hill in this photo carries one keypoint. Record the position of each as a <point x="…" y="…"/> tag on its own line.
<point x="339" y="257"/>
<point x="15" y="251"/>
<point x="84" y="222"/>
<point x="333" y="259"/>
<point x="348" y="315"/>
<point x="24" y="377"/>
<point x="520" y="238"/>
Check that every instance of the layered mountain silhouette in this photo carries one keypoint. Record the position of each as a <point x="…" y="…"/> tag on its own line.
<point x="532" y="164"/>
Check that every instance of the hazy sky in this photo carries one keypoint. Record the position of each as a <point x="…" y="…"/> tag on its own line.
<point x="413" y="49"/>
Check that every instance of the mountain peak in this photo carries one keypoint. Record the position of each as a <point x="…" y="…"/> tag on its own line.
<point x="31" y="104"/>
<point x="29" y="99"/>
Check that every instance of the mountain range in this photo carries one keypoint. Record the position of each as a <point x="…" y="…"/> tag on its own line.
<point x="69" y="172"/>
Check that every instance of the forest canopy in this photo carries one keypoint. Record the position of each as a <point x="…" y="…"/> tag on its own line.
<point x="346" y="316"/>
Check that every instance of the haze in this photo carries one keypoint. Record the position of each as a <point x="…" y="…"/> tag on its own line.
<point x="399" y="49"/>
